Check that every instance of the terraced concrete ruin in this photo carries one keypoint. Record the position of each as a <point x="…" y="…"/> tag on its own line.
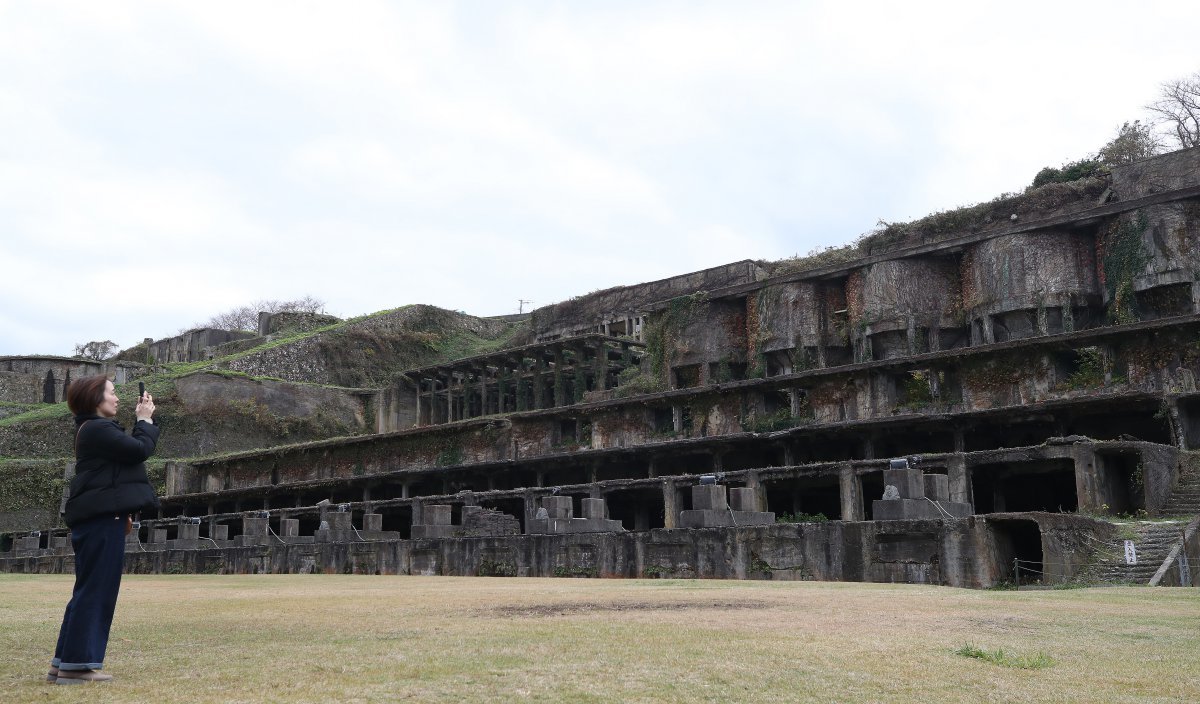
<point x="989" y="395"/>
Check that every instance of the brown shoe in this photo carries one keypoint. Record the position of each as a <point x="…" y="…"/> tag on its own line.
<point x="52" y="676"/>
<point x="81" y="676"/>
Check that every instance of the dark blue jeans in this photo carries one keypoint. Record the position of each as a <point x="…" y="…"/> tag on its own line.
<point x="99" y="545"/>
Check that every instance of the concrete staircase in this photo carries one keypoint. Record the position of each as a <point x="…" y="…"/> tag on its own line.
<point x="1152" y="542"/>
<point x="1185" y="497"/>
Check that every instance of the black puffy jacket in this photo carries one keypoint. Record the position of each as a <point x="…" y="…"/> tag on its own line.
<point x="110" y="469"/>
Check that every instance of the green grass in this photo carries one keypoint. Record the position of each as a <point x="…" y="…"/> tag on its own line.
<point x="43" y="412"/>
<point x="349" y="638"/>
<point x="1036" y="661"/>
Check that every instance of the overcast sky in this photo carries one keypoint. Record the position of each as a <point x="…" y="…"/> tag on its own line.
<point x="164" y="161"/>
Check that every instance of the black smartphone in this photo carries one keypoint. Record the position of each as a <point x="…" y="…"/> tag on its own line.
<point x="141" y="389"/>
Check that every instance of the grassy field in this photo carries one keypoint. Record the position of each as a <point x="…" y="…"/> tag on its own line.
<point x="281" y="638"/>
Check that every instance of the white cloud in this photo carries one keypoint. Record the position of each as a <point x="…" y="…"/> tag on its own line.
<point x="379" y="153"/>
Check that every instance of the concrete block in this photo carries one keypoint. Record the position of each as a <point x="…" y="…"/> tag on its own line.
<point x="743" y="499"/>
<point x="220" y="532"/>
<point x="27" y="545"/>
<point x="289" y="527"/>
<point x="909" y="482"/>
<point x="58" y="543"/>
<point x="438" y="515"/>
<point x="594" y="508"/>
<point x="707" y="518"/>
<point x="188" y="531"/>
<point x="254" y="526"/>
<point x="427" y="532"/>
<point x="558" y="506"/>
<point x="937" y="487"/>
<point x="343" y="521"/>
<point x="709" y="497"/>
<point x="908" y="509"/>
<point x="372" y="522"/>
<point x="158" y="536"/>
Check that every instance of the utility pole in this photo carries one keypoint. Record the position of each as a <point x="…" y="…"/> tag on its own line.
<point x="521" y="305"/>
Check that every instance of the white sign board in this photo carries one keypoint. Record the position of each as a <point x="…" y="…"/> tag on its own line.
<point x="1130" y="553"/>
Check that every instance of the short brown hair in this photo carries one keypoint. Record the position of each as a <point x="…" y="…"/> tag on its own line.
<point x="84" y="395"/>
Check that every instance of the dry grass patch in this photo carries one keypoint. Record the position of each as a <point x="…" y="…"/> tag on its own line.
<point x="317" y="638"/>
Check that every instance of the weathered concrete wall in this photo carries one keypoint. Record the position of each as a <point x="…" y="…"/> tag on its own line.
<point x="1169" y="232"/>
<point x="24" y="388"/>
<point x="193" y="345"/>
<point x="715" y="334"/>
<point x="586" y="313"/>
<point x="956" y="553"/>
<point x="1178" y="169"/>
<point x="1029" y="272"/>
<point x="925" y="288"/>
<point x="38" y="379"/>
<point x="798" y="314"/>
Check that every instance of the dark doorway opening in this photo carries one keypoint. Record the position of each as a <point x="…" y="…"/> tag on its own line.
<point x="1034" y="486"/>
<point x="48" y="388"/>
<point x="1120" y="480"/>
<point x="637" y="509"/>
<point x="872" y="490"/>
<point x="1018" y="550"/>
<point x="805" y="498"/>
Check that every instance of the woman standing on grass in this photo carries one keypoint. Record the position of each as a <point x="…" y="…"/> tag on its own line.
<point x="109" y="488"/>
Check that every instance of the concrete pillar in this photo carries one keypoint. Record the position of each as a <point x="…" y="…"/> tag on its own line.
<point x="1178" y="420"/>
<point x="652" y="467"/>
<point x="539" y="381"/>
<point x="960" y="480"/>
<point x="373" y="521"/>
<point x="531" y="507"/>
<point x="670" y="504"/>
<point x="718" y="461"/>
<point x="754" y="483"/>
<point x="483" y="391"/>
<point x="1088" y="489"/>
<point x="911" y="335"/>
<point x="560" y="380"/>
<point x="600" y="367"/>
<point x="850" y="493"/>
<point x="593" y="508"/>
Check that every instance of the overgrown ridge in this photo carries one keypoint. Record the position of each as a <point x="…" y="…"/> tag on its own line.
<point x="363" y="353"/>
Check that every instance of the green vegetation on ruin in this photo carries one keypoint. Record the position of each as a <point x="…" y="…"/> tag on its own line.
<point x="1040" y="199"/>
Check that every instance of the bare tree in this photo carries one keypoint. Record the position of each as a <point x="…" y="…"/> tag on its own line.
<point x="246" y="317"/>
<point x="98" y="350"/>
<point x="1133" y="141"/>
<point x="1177" y="110"/>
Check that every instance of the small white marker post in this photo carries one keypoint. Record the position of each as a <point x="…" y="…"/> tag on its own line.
<point x="1130" y="553"/>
